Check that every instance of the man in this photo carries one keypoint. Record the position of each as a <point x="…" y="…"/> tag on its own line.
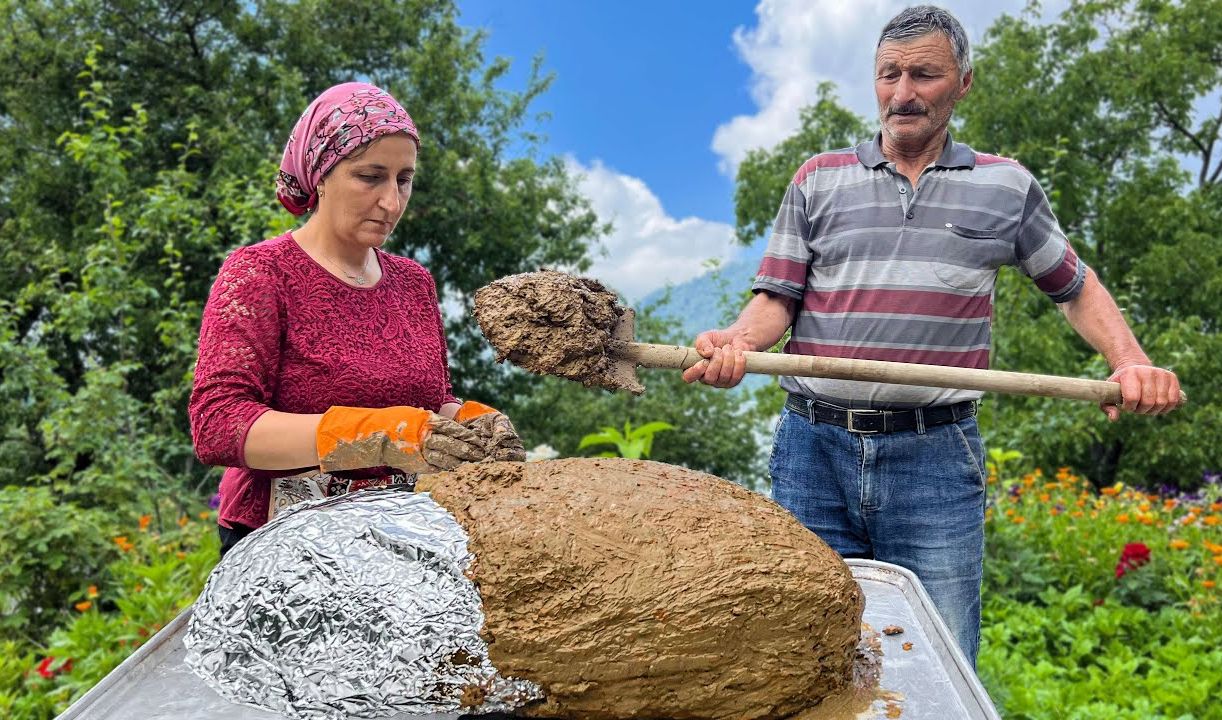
<point x="889" y="251"/>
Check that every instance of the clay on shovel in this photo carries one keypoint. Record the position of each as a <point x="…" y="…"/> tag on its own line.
<point x="552" y="323"/>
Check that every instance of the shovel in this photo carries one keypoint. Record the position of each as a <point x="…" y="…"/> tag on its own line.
<point x="556" y="324"/>
<point x="629" y="355"/>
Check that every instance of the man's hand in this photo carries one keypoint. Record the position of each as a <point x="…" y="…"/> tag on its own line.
<point x="724" y="364"/>
<point x="1147" y="390"/>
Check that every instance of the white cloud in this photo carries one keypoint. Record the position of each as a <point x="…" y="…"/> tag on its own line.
<point x="646" y="248"/>
<point x="796" y="44"/>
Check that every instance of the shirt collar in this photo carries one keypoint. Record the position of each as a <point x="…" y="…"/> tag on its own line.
<point x="954" y="155"/>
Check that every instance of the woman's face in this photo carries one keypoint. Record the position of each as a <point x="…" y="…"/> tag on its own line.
<point x="363" y="197"/>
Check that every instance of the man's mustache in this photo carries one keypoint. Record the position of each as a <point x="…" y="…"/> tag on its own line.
<point x="909" y="108"/>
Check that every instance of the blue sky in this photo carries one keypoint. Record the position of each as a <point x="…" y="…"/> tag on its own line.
<point x="655" y="103"/>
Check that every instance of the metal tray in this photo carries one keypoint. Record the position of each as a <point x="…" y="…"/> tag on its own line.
<point x="931" y="680"/>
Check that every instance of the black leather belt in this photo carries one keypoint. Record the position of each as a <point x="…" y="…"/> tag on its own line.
<point x="880" y="421"/>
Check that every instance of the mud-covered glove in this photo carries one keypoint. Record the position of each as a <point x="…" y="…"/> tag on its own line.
<point x="500" y="440"/>
<point x="407" y="438"/>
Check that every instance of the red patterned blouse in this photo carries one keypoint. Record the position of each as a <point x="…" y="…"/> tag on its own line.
<point x="279" y="332"/>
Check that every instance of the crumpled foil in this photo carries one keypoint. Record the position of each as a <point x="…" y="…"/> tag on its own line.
<point x="354" y="606"/>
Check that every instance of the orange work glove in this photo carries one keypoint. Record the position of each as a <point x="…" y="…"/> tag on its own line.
<point x="407" y="438"/>
<point x="500" y="440"/>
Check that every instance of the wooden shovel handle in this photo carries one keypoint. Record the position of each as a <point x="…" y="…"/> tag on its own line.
<point x="1011" y="383"/>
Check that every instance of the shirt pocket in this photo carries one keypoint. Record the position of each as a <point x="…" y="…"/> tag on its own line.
<point x="974" y="248"/>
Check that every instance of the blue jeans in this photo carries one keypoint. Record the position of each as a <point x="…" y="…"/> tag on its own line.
<point x="909" y="498"/>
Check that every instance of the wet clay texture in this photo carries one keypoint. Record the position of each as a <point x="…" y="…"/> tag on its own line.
<point x="636" y="589"/>
<point x="552" y="323"/>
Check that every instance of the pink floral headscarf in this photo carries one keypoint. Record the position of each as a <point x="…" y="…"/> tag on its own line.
<point x="340" y="120"/>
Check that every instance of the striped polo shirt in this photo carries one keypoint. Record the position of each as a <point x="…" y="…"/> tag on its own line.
<point x="886" y="271"/>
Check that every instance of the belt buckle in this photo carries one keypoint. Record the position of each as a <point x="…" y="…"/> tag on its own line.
<point x="850" y="428"/>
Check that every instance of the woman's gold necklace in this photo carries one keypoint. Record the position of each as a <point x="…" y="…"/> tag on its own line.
<point x="359" y="279"/>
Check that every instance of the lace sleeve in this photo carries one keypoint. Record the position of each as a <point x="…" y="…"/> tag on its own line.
<point x="239" y="356"/>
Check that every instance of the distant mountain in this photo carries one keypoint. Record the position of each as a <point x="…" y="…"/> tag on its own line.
<point x="707" y="301"/>
<point x="711" y="300"/>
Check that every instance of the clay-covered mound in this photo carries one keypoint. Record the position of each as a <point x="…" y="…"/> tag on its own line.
<point x="552" y="323"/>
<point x="634" y="589"/>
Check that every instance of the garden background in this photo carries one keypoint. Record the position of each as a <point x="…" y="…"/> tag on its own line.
<point x="138" y="141"/>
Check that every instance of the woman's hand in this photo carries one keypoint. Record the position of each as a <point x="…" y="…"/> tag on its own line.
<point x="500" y="439"/>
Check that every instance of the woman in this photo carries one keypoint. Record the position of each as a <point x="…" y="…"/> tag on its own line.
<point x="320" y="351"/>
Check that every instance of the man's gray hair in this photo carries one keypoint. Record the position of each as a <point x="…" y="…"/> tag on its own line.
<point x="918" y="21"/>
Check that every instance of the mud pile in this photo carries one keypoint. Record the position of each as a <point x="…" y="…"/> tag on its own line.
<point x="634" y="589"/>
<point x="552" y="323"/>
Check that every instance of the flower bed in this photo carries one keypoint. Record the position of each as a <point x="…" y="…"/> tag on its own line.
<point x="1101" y="604"/>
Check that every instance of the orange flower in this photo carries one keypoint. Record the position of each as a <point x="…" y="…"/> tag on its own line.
<point x="205" y="515"/>
<point x="1218" y="559"/>
<point x="1019" y="520"/>
<point x="1080" y="503"/>
<point x="1170" y="504"/>
<point x="1053" y="511"/>
<point x="83" y="605"/>
<point x="1216" y="507"/>
<point x="1144" y="507"/>
<point x="1051" y="486"/>
<point x="1122" y="518"/>
<point x="1009" y="512"/>
<point x="1077" y="513"/>
<point x="1212" y="520"/>
<point x="1045" y="497"/>
<point x="1214" y="548"/>
<point x="1179" y="544"/>
<point x="180" y="555"/>
<point x="182" y="521"/>
<point x="1028" y="480"/>
<point x="1063" y="473"/>
<point x="123" y="543"/>
<point x="92" y="592"/>
<point x="1208" y="584"/>
<point x="144" y="522"/>
<point x="1110" y="490"/>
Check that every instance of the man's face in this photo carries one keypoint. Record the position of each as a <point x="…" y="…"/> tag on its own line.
<point x="917" y="85"/>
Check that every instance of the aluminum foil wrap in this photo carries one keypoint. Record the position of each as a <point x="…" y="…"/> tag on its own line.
<point x="354" y="606"/>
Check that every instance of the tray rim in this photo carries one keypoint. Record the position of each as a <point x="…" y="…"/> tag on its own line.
<point x="909" y="582"/>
